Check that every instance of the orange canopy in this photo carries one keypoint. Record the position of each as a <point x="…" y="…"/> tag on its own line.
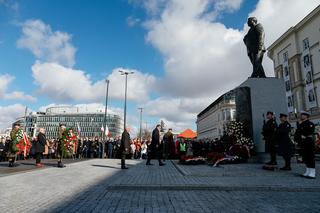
<point x="188" y="134"/>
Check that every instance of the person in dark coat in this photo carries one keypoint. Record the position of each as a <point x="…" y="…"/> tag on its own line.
<point x="285" y="145"/>
<point x="40" y="146"/>
<point x="155" y="147"/>
<point x="269" y="132"/>
<point x="124" y="147"/>
<point x="167" y="143"/>
<point x="304" y="137"/>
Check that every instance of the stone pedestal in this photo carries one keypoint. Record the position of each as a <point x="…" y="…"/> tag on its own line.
<point x="254" y="98"/>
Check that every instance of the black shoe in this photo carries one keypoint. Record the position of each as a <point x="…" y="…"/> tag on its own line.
<point x="162" y="164"/>
<point x="272" y="163"/>
<point x="286" y="168"/>
<point x="149" y="164"/>
<point x="10" y="164"/>
<point x="61" y="165"/>
<point x="124" y="168"/>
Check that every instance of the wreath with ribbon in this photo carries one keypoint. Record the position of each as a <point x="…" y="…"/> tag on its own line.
<point x="69" y="140"/>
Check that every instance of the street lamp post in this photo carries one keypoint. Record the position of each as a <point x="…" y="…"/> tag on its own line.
<point x="125" y="97"/>
<point x="105" y="119"/>
<point x="140" y="123"/>
<point x="106" y="110"/>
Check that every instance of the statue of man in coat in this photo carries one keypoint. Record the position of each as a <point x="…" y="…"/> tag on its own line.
<point x="254" y="40"/>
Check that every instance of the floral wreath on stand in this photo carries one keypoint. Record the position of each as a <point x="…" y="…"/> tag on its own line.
<point x="69" y="139"/>
<point x="21" y="144"/>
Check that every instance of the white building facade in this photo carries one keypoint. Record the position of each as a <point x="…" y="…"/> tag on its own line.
<point x="89" y="124"/>
<point x="211" y="122"/>
<point x="296" y="59"/>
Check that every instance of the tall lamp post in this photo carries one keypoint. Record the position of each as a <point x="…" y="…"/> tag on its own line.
<point x="140" y="108"/>
<point x="106" y="109"/>
<point x="105" y="118"/>
<point x="125" y="98"/>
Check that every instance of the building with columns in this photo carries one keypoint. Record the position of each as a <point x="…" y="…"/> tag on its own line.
<point x="296" y="59"/>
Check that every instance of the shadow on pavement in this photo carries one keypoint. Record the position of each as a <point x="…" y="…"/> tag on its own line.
<point x="104" y="166"/>
<point x="96" y="197"/>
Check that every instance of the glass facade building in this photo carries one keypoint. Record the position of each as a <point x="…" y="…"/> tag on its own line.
<point x="88" y="124"/>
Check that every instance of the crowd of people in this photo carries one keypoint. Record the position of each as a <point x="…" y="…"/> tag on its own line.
<point x="70" y="145"/>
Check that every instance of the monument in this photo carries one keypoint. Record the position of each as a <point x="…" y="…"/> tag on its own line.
<point x="258" y="94"/>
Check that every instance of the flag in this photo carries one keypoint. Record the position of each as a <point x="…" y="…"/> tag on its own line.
<point x="79" y="130"/>
<point x="107" y="133"/>
<point x="26" y="144"/>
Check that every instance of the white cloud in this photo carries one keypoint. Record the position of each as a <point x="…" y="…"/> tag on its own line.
<point x="228" y="5"/>
<point x="47" y="45"/>
<point x="17" y="95"/>
<point x="277" y="16"/>
<point x="132" y="21"/>
<point x="176" y="109"/>
<point x="5" y="81"/>
<point x="203" y="58"/>
<point x="10" y="4"/>
<point x="67" y="84"/>
<point x="9" y="114"/>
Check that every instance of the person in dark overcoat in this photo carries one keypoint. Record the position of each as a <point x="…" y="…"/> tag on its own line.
<point x="168" y="142"/>
<point x="155" y="146"/>
<point x="40" y="146"/>
<point x="285" y="145"/>
<point x="269" y="132"/>
<point x="124" y="147"/>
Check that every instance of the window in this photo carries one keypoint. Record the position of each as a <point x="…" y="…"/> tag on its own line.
<point x="285" y="57"/>
<point x="305" y="43"/>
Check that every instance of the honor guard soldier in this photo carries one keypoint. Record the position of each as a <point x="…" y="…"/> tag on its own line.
<point x="304" y="137"/>
<point x="12" y="148"/>
<point x="285" y="145"/>
<point x="269" y="132"/>
<point x="61" y="136"/>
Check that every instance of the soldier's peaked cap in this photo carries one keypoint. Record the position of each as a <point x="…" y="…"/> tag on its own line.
<point x="283" y="115"/>
<point x="305" y="113"/>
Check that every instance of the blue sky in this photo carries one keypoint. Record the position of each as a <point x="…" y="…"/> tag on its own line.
<point x="105" y="40"/>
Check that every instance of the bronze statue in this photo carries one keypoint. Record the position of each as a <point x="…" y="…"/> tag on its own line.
<point x="254" y="40"/>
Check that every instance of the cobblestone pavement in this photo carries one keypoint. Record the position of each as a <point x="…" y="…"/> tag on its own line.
<point x="100" y="186"/>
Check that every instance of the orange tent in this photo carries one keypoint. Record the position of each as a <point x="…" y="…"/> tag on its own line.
<point x="188" y="134"/>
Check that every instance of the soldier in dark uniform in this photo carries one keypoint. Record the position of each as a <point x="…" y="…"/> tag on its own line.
<point x="285" y="145"/>
<point x="254" y="40"/>
<point x="304" y="137"/>
<point x="12" y="149"/>
<point x="269" y="132"/>
<point x="62" y="132"/>
<point x="124" y="147"/>
<point x="155" y="146"/>
<point x="167" y="143"/>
